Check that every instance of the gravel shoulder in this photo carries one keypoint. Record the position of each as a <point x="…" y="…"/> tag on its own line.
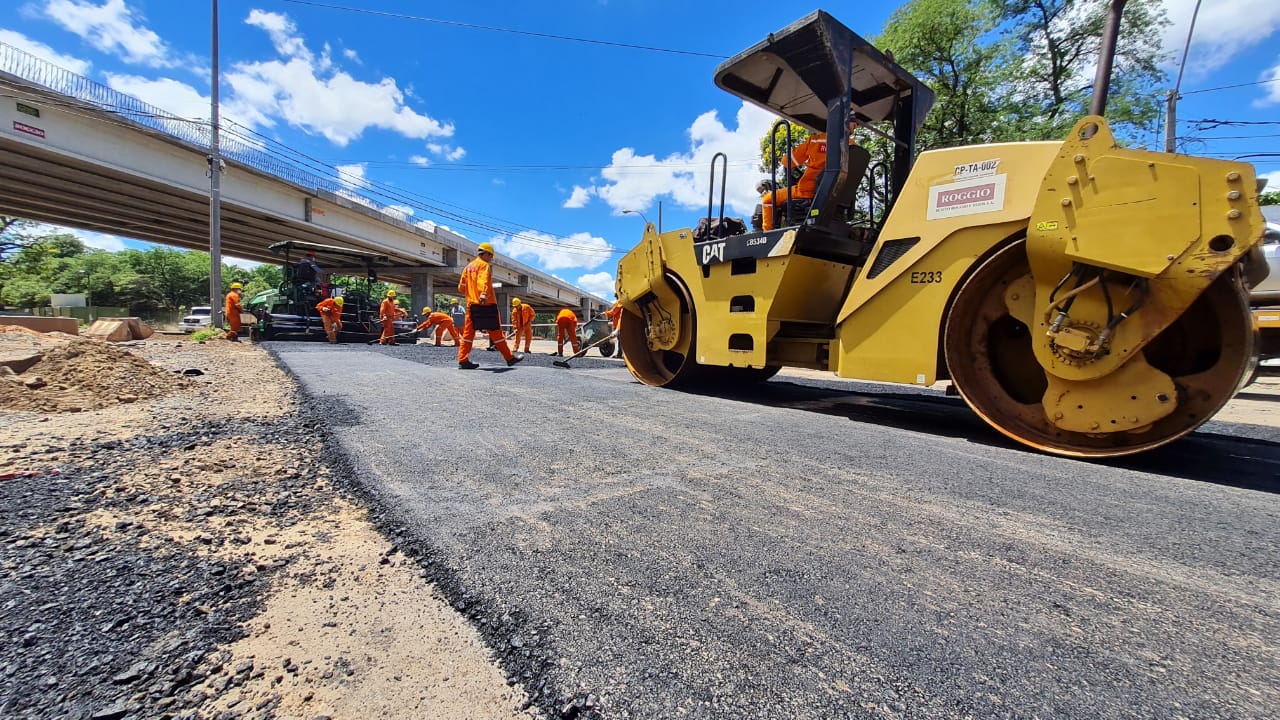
<point x="195" y="545"/>
<point x="186" y="547"/>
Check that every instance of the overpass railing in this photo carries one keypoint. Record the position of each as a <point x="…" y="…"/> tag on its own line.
<point x="234" y="145"/>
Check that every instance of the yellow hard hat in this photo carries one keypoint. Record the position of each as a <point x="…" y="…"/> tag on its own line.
<point x="515" y="302"/>
<point x="338" y="301"/>
<point x="485" y="247"/>
<point x="391" y="293"/>
<point x="236" y="286"/>
<point x="426" y="311"/>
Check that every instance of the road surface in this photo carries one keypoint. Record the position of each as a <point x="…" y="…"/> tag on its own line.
<point x="814" y="548"/>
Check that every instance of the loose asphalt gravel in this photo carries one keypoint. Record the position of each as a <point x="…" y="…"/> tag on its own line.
<point x="812" y="548"/>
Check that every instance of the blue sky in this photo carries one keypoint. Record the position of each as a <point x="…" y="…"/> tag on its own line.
<point x="548" y="139"/>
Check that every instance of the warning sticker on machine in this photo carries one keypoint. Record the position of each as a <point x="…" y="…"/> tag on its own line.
<point x="967" y="197"/>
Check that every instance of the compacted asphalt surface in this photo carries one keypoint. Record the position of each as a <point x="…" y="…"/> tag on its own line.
<point x="813" y="548"/>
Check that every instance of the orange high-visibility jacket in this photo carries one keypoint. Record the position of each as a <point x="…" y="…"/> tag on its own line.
<point x="614" y="314"/>
<point x="388" y="310"/>
<point x="566" y="316"/>
<point x="328" y="307"/>
<point x="521" y="318"/>
<point x="233" y="305"/>
<point x="812" y="154"/>
<point x="477" y="280"/>
<point x="434" y="319"/>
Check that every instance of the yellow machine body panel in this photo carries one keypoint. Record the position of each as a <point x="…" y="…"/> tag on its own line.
<point x="1175" y="221"/>
<point x="958" y="204"/>
<point x="1083" y="298"/>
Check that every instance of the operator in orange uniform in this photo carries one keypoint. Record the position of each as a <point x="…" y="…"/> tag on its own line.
<point x="812" y="154"/>
<point x="388" y="313"/>
<point x="521" y="323"/>
<point x="232" y="312"/>
<point x="566" y="326"/>
<point x="476" y="285"/>
<point x="441" y="322"/>
<point x="330" y="310"/>
<point x="614" y="314"/>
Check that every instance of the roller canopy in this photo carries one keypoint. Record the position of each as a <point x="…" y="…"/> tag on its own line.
<point x="801" y="70"/>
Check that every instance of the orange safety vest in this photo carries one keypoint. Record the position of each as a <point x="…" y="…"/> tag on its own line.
<point x="477" y="280"/>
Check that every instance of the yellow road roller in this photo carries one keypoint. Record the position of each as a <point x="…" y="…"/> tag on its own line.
<point x="1085" y="299"/>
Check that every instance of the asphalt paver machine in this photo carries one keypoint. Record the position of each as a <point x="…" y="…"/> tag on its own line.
<point x="1084" y="299"/>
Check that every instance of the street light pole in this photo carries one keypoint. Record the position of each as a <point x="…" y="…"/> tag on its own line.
<point x="215" y="190"/>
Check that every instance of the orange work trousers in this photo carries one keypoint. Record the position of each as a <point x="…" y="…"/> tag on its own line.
<point x="566" y="328"/>
<point x="388" y="333"/>
<point x="777" y="197"/>
<point x="234" y="321"/>
<point x="453" y="332"/>
<point x="497" y="337"/>
<point x="525" y="332"/>
<point x="331" y="327"/>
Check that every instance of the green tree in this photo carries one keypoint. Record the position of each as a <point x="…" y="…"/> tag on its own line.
<point x="775" y="167"/>
<point x="1269" y="198"/>
<point x="1060" y="42"/>
<point x="950" y="46"/>
<point x="16" y="235"/>
<point x="170" y="279"/>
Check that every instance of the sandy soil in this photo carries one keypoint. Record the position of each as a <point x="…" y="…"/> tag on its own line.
<point x="348" y="627"/>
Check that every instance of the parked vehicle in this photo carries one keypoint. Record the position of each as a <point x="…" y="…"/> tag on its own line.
<point x="197" y="319"/>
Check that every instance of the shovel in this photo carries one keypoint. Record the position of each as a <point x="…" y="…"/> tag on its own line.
<point x="565" y="363"/>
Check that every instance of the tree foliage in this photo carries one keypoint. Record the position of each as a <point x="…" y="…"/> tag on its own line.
<point x="157" y="279"/>
<point x="950" y="46"/>
<point x="1011" y="70"/>
<point x="1059" y="42"/>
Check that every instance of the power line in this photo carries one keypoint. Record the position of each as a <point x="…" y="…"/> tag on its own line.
<point x="418" y="201"/>
<point x="471" y="26"/>
<point x="1229" y="87"/>
<point x="467" y="167"/>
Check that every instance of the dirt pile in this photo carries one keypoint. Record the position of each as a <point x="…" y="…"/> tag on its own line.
<point x="75" y="374"/>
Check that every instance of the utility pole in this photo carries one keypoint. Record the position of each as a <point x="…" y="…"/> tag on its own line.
<point x="1171" y="103"/>
<point x="1107" y="54"/>
<point x="215" y="191"/>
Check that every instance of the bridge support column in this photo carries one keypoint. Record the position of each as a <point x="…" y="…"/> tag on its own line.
<point x="422" y="292"/>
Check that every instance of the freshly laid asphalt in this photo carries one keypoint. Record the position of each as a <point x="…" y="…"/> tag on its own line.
<point x="813" y="548"/>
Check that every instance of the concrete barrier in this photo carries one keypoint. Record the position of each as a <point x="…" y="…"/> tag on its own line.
<point x="43" y="324"/>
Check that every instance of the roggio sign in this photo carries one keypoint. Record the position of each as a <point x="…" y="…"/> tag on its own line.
<point x="967" y="197"/>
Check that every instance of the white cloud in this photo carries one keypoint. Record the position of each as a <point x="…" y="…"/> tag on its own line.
<point x="634" y="182"/>
<point x="309" y="92"/>
<point x="99" y="240"/>
<point x="600" y="284"/>
<point x="171" y="96"/>
<point x="112" y="28"/>
<point x="580" y="250"/>
<point x="44" y="52"/>
<point x="351" y="55"/>
<point x="242" y="263"/>
<point x="448" y="152"/>
<point x="1273" y="180"/>
<point x="184" y="101"/>
<point x="1223" y="29"/>
<point x="580" y="197"/>
<point x="351" y="175"/>
<point x="1270" y="90"/>
<point x="400" y="212"/>
<point x="422" y="160"/>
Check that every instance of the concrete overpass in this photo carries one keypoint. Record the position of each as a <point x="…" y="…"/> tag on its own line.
<point x="74" y="152"/>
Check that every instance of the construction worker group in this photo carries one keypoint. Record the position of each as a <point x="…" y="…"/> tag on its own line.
<point x="479" y="314"/>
